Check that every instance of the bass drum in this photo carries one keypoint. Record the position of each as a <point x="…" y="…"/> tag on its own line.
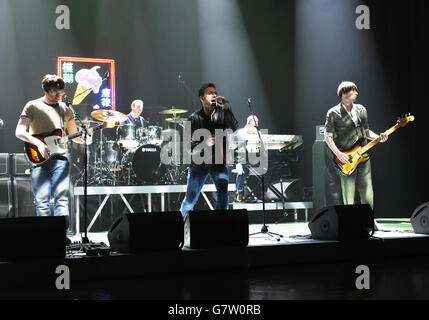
<point x="147" y="165"/>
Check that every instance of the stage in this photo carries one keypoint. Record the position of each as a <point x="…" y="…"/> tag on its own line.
<point x="295" y="250"/>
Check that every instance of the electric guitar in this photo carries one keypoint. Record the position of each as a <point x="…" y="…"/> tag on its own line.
<point x="56" y="143"/>
<point x="357" y="153"/>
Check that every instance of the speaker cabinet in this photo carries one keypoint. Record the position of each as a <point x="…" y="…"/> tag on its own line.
<point x="24" y="205"/>
<point x="20" y="165"/>
<point x="6" y="200"/>
<point x="4" y="164"/>
<point x="420" y="219"/>
<point x="143" y="232"/>
<point x="216" y="229"/>
<point x="32" y="238"/>
<point x="293" y="190"/>
<point x="326" y="178"/>
<point x="343" y="222"/>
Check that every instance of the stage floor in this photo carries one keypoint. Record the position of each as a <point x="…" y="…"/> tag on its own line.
<point x="297" y="233"/>
<point x="295" y="267"/>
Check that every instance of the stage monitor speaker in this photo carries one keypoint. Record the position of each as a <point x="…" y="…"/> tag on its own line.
<point x="6" y="200"/>
<point x="343" y="222"/>
<point x="149" y="231"/>
<point x="24" y="205"/>
<point x="420" y="219"/>
<point x="216" y="229"/>
<point x="32" y="238"/>
<point x="4" y="164"/>
<point x="20" y="165"/>
<point x="293" y="190"/>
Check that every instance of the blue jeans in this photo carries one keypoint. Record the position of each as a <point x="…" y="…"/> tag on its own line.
<point x="241" y="178"/>
<point x="197" y="176"/>
<point x="53" y="177"/>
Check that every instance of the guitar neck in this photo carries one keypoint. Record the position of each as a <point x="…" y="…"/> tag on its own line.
<point x="368" y="146"/>
<point x="78" y="134"/>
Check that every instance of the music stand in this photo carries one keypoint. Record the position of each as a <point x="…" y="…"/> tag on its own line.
<point x="264" y="229"/>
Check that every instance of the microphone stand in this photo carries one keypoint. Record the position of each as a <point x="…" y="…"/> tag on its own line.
<point x="264" y="229"/>
<point x="85" y="159"/>
<point x="190" y="92"/>
<point x="85" y="168"/>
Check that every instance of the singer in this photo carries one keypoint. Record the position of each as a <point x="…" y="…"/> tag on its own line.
<point x="215" y="113"/>
<point x="44" y="115"/>
<point x="346" y="126"/>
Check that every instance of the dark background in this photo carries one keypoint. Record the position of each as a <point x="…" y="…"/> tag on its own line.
<point x="288" y="56"/>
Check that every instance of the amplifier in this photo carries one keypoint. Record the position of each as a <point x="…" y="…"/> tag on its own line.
<point x="4" y="164"/>
<point x="20" y="165"/>
<point x="6" y="200"/>
<point x="320" y="133"/>
<point x="24" y="205"/>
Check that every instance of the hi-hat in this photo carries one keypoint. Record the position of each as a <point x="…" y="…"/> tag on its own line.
<point x="174" y="110"/>
<point x="176" y="120"/>
<point x="109" y="116"/>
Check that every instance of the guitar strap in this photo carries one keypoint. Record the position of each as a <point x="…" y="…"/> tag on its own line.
<point x="62" y="119"/>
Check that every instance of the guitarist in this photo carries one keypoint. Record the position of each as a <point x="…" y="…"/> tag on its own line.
<point x="43" y="115"/>
<point x="347" y="126"/>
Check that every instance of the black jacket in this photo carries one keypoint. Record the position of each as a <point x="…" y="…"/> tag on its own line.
<point x="199" y="120"/>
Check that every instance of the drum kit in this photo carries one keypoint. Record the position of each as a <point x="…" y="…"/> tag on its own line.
<point x="126" y="154"/>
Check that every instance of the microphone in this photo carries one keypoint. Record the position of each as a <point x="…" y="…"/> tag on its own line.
<point x="178" y="80"/>
<point x="248" y="100"/>
<point x="1" y="123"/>
<point x="66" y="100"/>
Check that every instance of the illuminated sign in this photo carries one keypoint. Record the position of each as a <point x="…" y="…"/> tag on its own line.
<point x="89" y="81"/>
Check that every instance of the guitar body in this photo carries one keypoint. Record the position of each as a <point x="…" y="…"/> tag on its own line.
<point x="355" y="157"/>
<point x="356" y="154"/>
<point x="56" y="143"/>
<point x="52" y="140"/>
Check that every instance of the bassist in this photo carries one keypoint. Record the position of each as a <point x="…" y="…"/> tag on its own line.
<point x="44" y="115"/>
<point x="346" y="126"/>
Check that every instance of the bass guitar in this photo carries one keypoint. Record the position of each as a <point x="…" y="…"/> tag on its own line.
<point x="56" y="143"/>
<point x="357" y="154"/>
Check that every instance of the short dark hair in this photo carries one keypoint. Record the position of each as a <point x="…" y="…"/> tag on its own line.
<point x="204" y="87"/>
<point x="52" y="81"/>
<point x="346" y="87"/>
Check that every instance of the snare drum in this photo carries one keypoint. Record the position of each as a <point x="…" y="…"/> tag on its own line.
<point x="127" y="136"/>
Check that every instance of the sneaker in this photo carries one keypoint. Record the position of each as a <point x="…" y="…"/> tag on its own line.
<point x="239" y="197"/>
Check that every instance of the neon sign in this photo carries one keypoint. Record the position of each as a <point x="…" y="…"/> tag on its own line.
<point x="90" y="81"/>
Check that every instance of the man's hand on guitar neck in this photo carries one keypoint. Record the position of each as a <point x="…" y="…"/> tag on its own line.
<point x="384" y="137"/>
<point x="372" y="135"/>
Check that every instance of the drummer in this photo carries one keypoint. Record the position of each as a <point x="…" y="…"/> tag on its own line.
<point x="134" y="117"/>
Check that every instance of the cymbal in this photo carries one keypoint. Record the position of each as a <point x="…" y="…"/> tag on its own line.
<point x="109" y="115"/>
<point x="176" y="120"/>
<point x="173" y="110"/>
